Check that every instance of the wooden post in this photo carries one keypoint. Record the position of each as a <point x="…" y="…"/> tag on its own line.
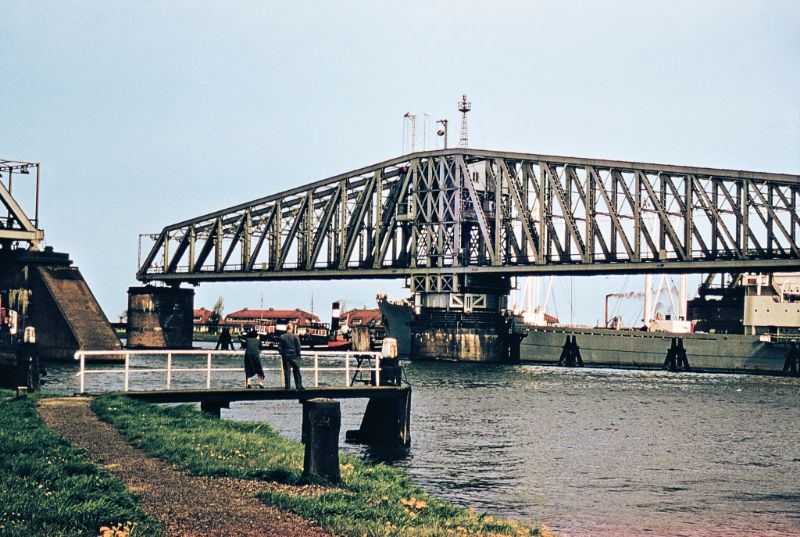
<point x="322" y="419"/>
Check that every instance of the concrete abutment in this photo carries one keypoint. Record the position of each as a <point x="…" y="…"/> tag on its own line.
<point x="160" y="317"/>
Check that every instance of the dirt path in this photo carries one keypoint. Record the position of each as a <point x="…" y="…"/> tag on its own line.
<point x="186" y="505"/>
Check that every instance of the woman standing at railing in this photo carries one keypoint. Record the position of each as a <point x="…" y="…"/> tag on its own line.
<point x="252" y="357"/>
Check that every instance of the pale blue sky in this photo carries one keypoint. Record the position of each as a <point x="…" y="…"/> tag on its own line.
<point x="146" y="113"/>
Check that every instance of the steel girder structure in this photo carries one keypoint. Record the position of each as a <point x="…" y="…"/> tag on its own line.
<point x="15" y="225"/>
<point x="467" y="211"/>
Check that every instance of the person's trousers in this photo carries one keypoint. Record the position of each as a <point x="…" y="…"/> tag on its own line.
<point x="298" y="381"/>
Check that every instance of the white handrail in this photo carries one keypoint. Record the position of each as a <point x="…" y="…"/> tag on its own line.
<point x="208" y="372"/>
<point x="127" y="370"/>
<point x="169" y="370"/>
<point x="372" y="358"/>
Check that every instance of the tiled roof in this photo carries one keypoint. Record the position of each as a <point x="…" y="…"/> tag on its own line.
<point x="366" y="315"/>
<point x="246" y="314"/>
<point x="202" y="315"/>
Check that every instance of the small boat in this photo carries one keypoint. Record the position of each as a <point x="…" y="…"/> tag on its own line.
<point x="338" y="345"/>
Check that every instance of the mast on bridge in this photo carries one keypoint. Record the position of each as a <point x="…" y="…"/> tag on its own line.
<point x="464" y="106"/>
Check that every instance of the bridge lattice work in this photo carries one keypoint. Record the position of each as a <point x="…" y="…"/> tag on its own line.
<point x="467" y="211"/>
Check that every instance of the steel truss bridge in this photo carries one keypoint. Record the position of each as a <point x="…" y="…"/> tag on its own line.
<point x="438" y="214"/>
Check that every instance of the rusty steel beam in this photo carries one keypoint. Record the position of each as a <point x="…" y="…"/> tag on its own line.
<point x="17" y="225"/>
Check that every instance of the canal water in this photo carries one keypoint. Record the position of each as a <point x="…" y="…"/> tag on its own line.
<point x="590" y="452"/>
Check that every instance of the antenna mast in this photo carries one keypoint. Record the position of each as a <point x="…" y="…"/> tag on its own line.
<point x="464" y="106"/>
<point x="413" y="118"/>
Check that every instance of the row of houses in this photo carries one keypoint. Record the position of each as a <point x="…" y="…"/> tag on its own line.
<point x="238" y="320"/>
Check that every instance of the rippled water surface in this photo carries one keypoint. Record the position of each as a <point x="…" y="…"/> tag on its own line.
<point x="588" y="451"/>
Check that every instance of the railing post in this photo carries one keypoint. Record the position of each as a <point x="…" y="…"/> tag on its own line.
<point x="208" y="372"/>
<point x="347" y="368"/>
<point x="127" y="370"/>
<point x="316" y="370"/>
<point x="377" y="369"/>
<point x="169" y="370"/>
<point x="83" y="371"/>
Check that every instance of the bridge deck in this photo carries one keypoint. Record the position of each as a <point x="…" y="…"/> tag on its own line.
<point x="266" y="394"/>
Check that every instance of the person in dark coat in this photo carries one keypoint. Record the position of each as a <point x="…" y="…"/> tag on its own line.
<point x="28" y="373"/>
<point x="225" y="342"/>
<point x="252" y="358"/>
<point x="289" y="347"/>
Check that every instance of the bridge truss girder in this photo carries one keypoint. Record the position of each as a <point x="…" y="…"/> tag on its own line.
<point x="15" y="224"/>
<point x="470" y="211"/>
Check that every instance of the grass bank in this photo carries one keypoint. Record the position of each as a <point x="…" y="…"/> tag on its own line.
<point x="47" y="487"/>
<point x="373" y="500"/>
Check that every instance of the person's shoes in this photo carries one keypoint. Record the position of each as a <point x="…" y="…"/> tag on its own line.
<point x="247" y="386"/>
<point x="261" y="386"/>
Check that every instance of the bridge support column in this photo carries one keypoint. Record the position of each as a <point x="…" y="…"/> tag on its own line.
<point x="386" y="421"/>
<point x="214" y="408"/>
<point x="463" y="318"/>
<point x="160" y="317"/>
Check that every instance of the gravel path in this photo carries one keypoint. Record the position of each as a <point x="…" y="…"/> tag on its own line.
<point x="185" y="505"/>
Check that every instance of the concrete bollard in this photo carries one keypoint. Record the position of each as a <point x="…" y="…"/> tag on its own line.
<point x="322" y="419"/>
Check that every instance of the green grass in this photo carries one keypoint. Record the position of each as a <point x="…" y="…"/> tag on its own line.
<point x="47" y="487"/>
<point x="374" y="500"/>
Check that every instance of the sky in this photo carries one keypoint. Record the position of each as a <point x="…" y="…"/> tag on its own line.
<point x="146" y="113"/>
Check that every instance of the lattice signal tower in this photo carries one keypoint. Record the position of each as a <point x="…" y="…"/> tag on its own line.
<point x="464" y="106"/>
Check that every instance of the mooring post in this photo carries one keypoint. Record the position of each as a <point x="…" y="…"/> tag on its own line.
<point x="571" y="353"/>
<point x="683" y="359"/>
<point x="670" y="362"/>
<point x="576" y="352"/>
<point x="322" y="419"/>
<point x="563" y="360"/>
<point x="790" y="365"/>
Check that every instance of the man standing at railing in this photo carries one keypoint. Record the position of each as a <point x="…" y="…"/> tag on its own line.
<point x="289" y="347"/>
<point x="252" y="358"/>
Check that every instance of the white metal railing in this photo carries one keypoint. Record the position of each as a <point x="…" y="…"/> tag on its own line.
<point x="354" y="362"/>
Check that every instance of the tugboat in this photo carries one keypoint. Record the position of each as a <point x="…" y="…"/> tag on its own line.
<point x="313" y="334"/>
<point x="271" y="324"/>
<point x="336" y="337"/>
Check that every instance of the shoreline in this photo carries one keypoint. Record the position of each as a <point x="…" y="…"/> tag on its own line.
<point x="371" y="500"/>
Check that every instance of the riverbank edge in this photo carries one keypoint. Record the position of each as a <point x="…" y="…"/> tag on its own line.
<point x="372" y="500"/>
<point x="49" y="487"/>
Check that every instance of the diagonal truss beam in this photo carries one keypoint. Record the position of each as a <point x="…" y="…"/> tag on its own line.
<point x="466" y="210"/>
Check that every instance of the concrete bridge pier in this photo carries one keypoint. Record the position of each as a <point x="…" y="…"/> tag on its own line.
<point x="45" y="291"/>
<point x="160" y="317"/>
<point x="214" y="408"/>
